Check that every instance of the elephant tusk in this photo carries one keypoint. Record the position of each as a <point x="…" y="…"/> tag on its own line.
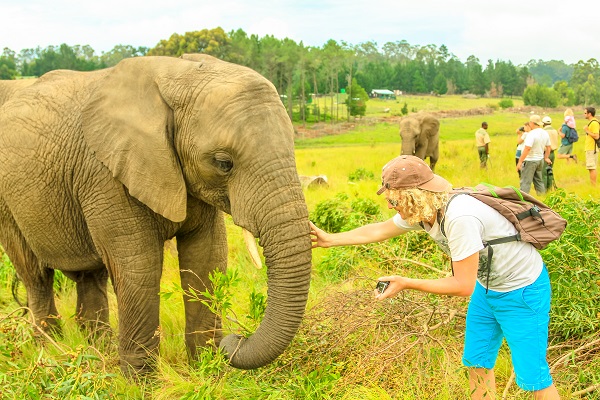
<point x="252" y="248"/>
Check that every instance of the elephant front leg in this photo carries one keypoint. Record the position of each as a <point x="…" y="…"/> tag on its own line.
<point x="201" y="253"/>
<point x="137" y="288"/>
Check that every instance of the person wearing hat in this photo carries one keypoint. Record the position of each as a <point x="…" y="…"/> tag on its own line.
<point x="547" y="172"/>
<point x="536" y="150"/>
<point x="516" y="302"/>
<point x="482" y="141"/>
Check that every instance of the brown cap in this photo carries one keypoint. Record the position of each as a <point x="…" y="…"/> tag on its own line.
<point x="406" y="172"/>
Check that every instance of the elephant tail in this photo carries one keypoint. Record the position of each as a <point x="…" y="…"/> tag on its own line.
<point x="14" y="289"/>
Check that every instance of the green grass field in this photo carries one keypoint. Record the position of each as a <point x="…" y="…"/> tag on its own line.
<point x="348" y="347"/>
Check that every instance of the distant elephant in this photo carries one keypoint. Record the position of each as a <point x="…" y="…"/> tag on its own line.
<point x="98" y="169"/>
<point x="420" y="135"/>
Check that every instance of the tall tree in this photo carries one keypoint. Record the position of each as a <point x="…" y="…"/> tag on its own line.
<point x="357" y="100"/>
<point x="214" y="42"/>
<point x="8" y="65"/>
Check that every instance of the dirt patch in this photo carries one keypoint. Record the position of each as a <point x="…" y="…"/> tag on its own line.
<point x="324" y="129"/>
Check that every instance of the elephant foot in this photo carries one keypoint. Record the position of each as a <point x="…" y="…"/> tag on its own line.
<point x="48" y="326"/>
<point x="96" y="329"/>
<point x="138" y="370"/>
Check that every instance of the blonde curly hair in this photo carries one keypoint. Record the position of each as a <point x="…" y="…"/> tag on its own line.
<point x="418" y="205"/>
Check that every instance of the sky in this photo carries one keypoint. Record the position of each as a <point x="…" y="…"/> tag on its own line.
<point x="507" y="30"/>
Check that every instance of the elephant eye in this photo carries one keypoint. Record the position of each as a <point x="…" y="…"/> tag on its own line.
<point x="224" y="165"/>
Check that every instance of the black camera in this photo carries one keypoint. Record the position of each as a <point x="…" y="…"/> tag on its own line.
<point x="381" y="286"/>
<point x="549" y="170"/>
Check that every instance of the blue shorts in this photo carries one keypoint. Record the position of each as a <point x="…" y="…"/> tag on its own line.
<point x="521" y="316"/>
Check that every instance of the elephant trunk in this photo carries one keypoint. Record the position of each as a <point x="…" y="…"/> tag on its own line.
<point x="287" y="249"/>
<point x="408" y="147"/>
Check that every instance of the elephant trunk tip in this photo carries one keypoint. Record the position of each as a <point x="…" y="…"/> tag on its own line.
<point x="231" y="344"/>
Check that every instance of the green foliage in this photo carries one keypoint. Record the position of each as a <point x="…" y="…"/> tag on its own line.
<point x="440" y="85"/>
<point x="214" y="42"/>
<point x="506" y="103"/>
<point x="404" y="109"/>
<point x="574" y="267"/>
<point x="219" y="300"/>
<point x="8" y="65"/>
<point x="357" y="99"/>
<point x="258" y="305"/>
<point x="74" y="374"/>
<point x="542" y="96"/>
<point x="550" y="72"/>
<point x="361" y="174"/>
<point x="330" y="215"/>
<point x="565" y="93"/>
<point x="341" y="213"/>
<point x="77" y="58"/>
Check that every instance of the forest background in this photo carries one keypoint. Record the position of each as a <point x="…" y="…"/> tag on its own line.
<point x="302" y="72"/>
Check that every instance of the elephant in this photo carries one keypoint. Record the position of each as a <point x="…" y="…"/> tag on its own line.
<point x="98" y="169"/>
<point x="420" y="137"/>
<point x="9" y="87"/>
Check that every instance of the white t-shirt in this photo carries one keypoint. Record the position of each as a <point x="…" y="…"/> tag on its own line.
<point x="469" y="222"/>
<point x="537" y="139"/>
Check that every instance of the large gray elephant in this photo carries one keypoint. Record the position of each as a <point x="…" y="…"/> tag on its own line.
<point x="420" y="135"/>
<point x="10" y="87"/>
<point x="98" y="169"/>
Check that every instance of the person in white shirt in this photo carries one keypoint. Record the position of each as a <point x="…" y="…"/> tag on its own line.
<point x="536" y="149"/>
<point x="510" y="296"/>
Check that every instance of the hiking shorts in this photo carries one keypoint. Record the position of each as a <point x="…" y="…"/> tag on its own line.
<point x="565" y="149"/>
<point x="521" y="316"/>
<point x="591" y="159"/>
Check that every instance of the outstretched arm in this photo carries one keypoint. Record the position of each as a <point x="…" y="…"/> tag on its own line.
<point x="371" y="233"/>
<point x="462" y="283"/>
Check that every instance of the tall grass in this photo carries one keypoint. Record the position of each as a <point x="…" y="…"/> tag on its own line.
<point x="348" y="346"/>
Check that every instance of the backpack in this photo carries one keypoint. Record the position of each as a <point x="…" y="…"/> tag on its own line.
<point x="571" y="134"/>
<point x="595" y="140"/>
<point x="535" y="222"/>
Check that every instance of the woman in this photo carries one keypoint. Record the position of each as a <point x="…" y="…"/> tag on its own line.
<point x="510" y="300"/>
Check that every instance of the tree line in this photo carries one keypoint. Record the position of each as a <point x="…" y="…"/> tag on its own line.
<point x="299" y="71"/>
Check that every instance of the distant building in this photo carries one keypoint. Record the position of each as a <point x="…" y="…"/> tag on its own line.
<point x="382" y="94"/>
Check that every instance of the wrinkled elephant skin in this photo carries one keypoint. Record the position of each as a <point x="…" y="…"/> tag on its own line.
<point x="420" y="135"/>
<point x="98" y="169"/>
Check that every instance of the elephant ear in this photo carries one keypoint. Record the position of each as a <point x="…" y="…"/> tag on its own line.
<point x="129" y="127"/>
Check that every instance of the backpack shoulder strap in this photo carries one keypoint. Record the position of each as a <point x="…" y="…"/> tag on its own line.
<point x="442" y="219"/>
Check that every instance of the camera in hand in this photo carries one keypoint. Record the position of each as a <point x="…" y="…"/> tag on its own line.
<point x="381" y="286"/>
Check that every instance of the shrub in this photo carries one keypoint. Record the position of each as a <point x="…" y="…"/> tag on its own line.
<point x="506" y="103"/>
<point x="404" y="109"/>
<point x="361" y="174"/>
<point x="338" y="215"/>
<point x="537" y="95"/>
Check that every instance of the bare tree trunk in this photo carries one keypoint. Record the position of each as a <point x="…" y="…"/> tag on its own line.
<point x="332" y="91"/>
<point x="290" y="97"/>
<point x="349" y="100"/>
<point x="302" y="99"/>
<point x="316" y="90"/>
